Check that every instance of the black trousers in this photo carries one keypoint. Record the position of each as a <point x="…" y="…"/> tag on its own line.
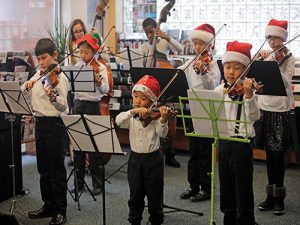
<point x="49" y="133"/>
<point x="145" y="177"/>
<point x="236" y="182"/>
<point x="89" y="108"/>
<point x="199" y="164"/>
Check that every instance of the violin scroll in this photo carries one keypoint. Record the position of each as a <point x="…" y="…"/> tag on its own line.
<point x="201" y="64"/>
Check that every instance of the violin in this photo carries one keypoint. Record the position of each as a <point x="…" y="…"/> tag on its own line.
<point x="205" y="58"/>
<point x="154" y="114"/>
<point x="52" y="76"/>
<point x="280" y="55"/>
<point x="238" y="89"/>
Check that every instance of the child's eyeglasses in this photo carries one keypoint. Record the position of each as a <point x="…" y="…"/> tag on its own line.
<point x="77" y="31"/>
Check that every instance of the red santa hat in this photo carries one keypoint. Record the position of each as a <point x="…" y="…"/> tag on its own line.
<point x="149" y="86"/>
<point x="237" y="52"/>
<point x="204" y="32"/>
<point x="277" y="28"/>
<point x="91" y="40"/>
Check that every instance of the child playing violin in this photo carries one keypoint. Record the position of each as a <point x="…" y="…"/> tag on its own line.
<point x="200" y="76"/>
<point x="235" y="158"/>
<point x="145" y="166"/>
<point x="272" y="129"/>
<point x="163" y="45"/>
<point x="89" y="103"/>
<point x="49" y="130"/>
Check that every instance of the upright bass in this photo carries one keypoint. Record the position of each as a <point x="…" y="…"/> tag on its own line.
<point x="160" y="59"/>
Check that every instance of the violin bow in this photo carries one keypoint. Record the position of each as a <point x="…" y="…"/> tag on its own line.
<point x="177" y="72"/>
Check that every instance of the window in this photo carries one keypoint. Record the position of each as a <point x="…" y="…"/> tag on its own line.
<point x="245" y="19"/>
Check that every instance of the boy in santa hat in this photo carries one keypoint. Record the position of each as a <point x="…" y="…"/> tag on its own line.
<point x="145" y="167"/>
<point x="235" y="158"/>
<point x="200" y="76"/>
<point x="272" y="130"/>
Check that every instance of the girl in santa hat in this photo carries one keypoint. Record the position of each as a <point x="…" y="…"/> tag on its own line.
<point x="89" y="103"/>
<point x="200" y="77"/>
<point x="272" y="130"/>
<point x="145" y="167"/>
<point x="235" y="158"/>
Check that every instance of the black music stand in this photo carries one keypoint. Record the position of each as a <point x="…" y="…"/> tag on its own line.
<point x="178" y="88"/>
<point x="81" y="79"/>
<point x="266" y="73"/>
<point x="93" y="134"/>
<point x="12" y="101"/>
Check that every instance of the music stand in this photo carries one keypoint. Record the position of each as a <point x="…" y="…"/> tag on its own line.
<point x="209" y="121"/>
<point x="177" y="88"/>
<point x="12" y="101"/>
<point x="93" y="134"/>
<point x="266" y="73"/>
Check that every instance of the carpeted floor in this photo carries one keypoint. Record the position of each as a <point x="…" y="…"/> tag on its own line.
<point x="117" y="193"/>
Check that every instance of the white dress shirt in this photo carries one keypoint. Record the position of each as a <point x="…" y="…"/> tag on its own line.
<point x="252" y="113"/>
<point x="40" y="102"/>
<point x="162" y="46"/>
<point x="199" y="82"/>
<point x="100" y="91"/>
<point x="142" y="139"/>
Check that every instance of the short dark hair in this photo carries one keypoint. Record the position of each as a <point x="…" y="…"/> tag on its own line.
<point x="45" y="45"/>
<point x="149" y="22"/>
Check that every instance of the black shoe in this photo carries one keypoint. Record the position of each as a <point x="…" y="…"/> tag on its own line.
<point x="268" y="204"/>
<point x="58" y="219"/>
<point x="73" y="190"/>
<point x="278" y="206"/>
<point x="96" y="191"/>
<point x="40" y="213"/>
<point x="171" y="161"/>
<point x="71" y="162"/>
<point x="187" y="194"/>
<point x="200" y="196"/>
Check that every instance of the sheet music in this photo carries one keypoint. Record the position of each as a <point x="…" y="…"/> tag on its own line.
<point x="101" y="130"/>
<point x="204" y="126"/>
<point x="136" y="58"/>
<point x="84" y="81"/>
<point x="14" y="97"/>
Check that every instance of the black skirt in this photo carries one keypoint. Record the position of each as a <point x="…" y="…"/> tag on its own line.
<point x="273" y="132"/>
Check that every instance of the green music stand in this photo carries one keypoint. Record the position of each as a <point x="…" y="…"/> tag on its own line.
<point x="209" y="121"/>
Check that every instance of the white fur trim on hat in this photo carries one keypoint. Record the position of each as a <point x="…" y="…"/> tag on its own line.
<point x="276" y="31"/>
<point x="231" y="56"/>
<point x="201" y="35"/>
<point x="142" y="88"/>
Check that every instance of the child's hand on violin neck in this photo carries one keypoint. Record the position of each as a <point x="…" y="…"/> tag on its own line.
<point x="141" y="112"/>
<point x="248" y="88"/>
<point x="263" y="54"/>
<point x="29" y="84"/>
<point x="98" y="80"/>
<point x="164" y="112"/>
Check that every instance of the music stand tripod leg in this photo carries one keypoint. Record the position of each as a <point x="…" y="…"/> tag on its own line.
<point x="174" y="209"/>
<point x="14" y="202"/>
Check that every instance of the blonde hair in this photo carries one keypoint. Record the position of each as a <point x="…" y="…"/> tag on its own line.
<point x="71" y="37"/>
